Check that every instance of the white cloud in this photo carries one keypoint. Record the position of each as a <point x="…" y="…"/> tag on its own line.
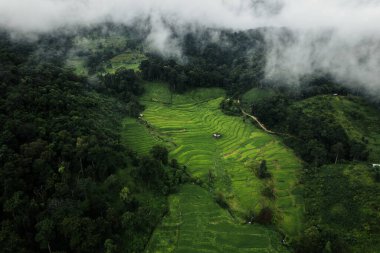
<point x="341" y="36"/>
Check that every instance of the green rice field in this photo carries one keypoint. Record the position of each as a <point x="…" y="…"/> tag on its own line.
<point x="185" y="123"/>
<point x="197" y="224"/>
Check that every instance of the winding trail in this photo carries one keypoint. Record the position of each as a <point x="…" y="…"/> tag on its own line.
<point x="258" y="122"/>
<point x="263" y="127"/>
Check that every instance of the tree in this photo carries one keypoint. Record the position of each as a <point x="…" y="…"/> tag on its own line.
<point x="109" y="246"/>
<point x="160" y="153"/>
<point x="124" y="193"/>
<point x="263" y="170"/>
<point x="311" y="241"/>
<point x="265" y="216"/>
<point x="55" y="156"/>
<point x="220" y="199"/>
<point x="45" y="232"/>
<point x="338" y="149"/>
<point x="150" y="170"/>
<point x="377" y="174"/>
<point x="316" y="151"/>
<point x="327" y="248"/>
<point x="268" y="192"/>
<point x="358" y="151"/>
<point x="174" y="163"/>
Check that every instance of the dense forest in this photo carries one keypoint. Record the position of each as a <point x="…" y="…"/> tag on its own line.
<point x="67" y="182"/>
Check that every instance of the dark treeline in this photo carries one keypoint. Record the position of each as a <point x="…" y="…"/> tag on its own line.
<point x="124" y="84"/>
<point x="67" y="184"/>
<point x="234" y="61"/>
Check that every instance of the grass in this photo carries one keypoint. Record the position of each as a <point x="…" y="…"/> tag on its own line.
<point x="197" y="224"/>
<point x="78" y="64"/>
<point x="140" y="135"/>
<point x="128" y="60"/>
<point x="188" y="122"/>
<point x="255" y="95"/>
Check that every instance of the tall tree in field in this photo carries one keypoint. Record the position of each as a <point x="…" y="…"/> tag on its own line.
<point x="160" y="153"/>
<point x="263" y="170"/>
<point x="337" y="149"/>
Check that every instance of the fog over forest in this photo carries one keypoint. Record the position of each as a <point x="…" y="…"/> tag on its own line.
<point x="189" y="126"/>
<point x="338" y="36"/>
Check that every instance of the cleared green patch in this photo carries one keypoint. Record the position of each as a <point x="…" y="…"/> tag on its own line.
<point x="197" y="224"/>
<point x="256" y="94"/>
<point x="128" y="60"/>
<point x="78" y="64"/>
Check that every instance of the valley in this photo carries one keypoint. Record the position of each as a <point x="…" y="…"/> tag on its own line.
<point x="109" y="146"/>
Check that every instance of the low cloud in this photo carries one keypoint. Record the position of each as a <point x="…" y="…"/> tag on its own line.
<point x="337" y="36"/>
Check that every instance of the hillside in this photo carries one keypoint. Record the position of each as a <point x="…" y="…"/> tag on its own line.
<point x="340" y="199"/>
<point x="320" y="128"/>
<point x="359" y="121"/>
<point x="343" y="203"/>
<point x="108" y="146"/>
<point x="222" y="166"/>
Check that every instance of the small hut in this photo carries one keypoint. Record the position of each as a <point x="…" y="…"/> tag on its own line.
<point x="216" y="135"/>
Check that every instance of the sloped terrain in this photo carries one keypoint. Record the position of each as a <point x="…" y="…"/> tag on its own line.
<point x="197" y="224"/>
<point x="359" y="120"/>
<point x="343" y="199"/>
<point x="186" y="124"/>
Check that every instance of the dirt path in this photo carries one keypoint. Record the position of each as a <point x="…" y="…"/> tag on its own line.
<point x="263" y="127"/>
<point x="258" y="122"/>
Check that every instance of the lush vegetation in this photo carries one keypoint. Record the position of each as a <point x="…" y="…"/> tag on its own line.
<point x="106" y="148"/>
<point x="342" y="209"/>
<point x="227" y="166"/>
<point x="104" y="49"/>
<point x="235" y="62"/>
<point x="68" y="184"/>
<point x="323" y="128"/>
<point x="332" y="128"/>
<point x="197" y="224"/>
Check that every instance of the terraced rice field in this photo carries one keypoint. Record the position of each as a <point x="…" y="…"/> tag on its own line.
<point x="140" y="135"/>
<point x="197" y="224"/>
<point x="188" y="121"/>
